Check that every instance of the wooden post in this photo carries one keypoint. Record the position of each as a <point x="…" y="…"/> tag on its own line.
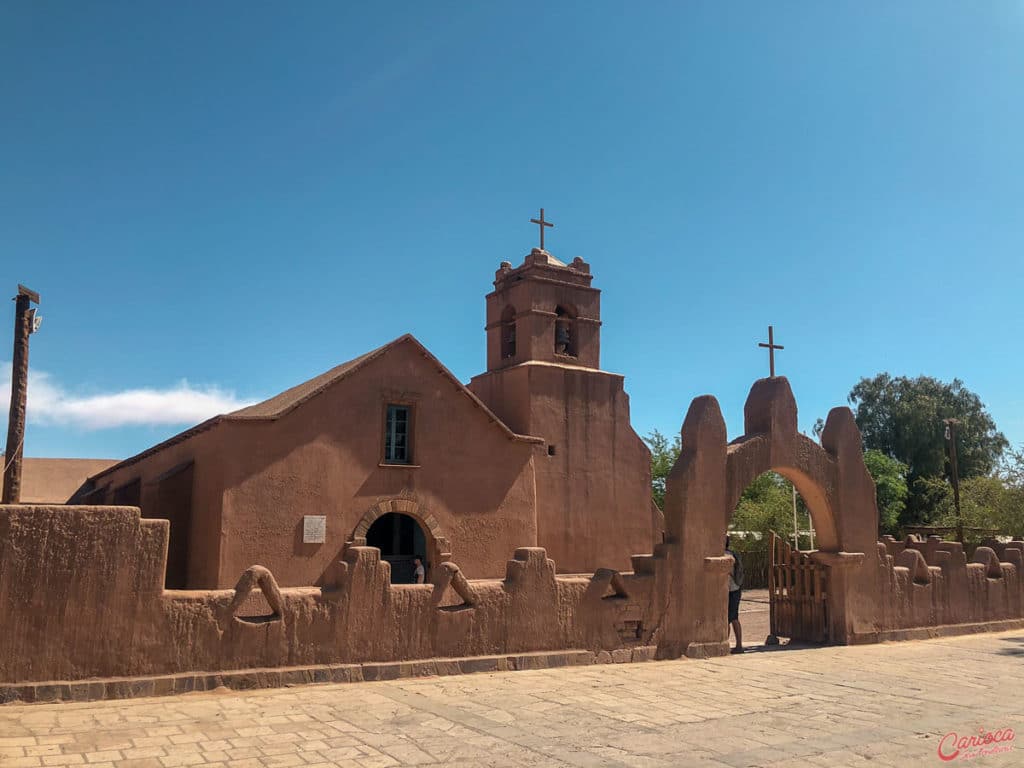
<point x="954" y="476"/>
<point x="773" y="619"/>
<point x="796" y="522"/>
<point x="24" y="320"/>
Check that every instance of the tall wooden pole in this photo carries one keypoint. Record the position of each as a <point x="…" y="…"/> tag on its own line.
<point x="796" y="523"/>
<point x="954" y="476"/>
<point x="23" y="321"/>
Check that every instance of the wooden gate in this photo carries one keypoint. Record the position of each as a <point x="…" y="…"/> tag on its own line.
<point x="796" y="591"/>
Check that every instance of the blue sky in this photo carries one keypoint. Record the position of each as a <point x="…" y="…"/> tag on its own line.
<point x="217" y="201"/>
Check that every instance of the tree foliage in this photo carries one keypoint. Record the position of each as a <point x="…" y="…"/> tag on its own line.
<point x="994" y="502"/>
<point x="903" y="418"/>
<point x="987" y="503"/>
<point x="890" y="489"/>
<point x="663" y="457"/>
<point x="767" y="505"/>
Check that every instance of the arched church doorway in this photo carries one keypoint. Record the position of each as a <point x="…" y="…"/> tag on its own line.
<point x="400" y="540"/>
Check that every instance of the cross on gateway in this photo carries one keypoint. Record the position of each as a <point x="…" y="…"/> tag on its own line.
<point x="771" y="346"/>
<point x="541" y="223"/>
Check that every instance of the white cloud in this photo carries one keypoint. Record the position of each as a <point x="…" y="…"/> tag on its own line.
<point x="50" y="403"/>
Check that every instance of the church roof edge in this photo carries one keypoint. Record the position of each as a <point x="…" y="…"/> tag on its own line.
<point x="285" y="402"/>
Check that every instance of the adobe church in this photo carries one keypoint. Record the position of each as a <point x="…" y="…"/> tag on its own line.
<point x="391" y="450"/>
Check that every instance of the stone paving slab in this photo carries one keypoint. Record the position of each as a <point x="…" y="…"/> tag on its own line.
<point x="873" y="705"/>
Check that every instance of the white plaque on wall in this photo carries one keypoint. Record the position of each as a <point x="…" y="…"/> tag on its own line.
<point x="314" y="529"/>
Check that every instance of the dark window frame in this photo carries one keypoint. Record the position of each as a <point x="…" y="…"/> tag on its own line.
<point x="392" y="448"/>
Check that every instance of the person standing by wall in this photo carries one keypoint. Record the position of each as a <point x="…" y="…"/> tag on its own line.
<point x="735" y="592"/>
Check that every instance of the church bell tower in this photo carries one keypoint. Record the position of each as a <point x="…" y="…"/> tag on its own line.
<point x="543" y="311"/>
<point x="544" y="379"/>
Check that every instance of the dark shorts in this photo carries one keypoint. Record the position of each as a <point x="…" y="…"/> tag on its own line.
<point x="734" y="605"/>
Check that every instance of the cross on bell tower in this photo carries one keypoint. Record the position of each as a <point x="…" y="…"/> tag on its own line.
<point x="541" y="224"/>
<point x="771" y="346"/>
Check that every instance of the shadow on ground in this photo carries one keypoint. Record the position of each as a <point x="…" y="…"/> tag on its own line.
<point x="1013" y="651"/>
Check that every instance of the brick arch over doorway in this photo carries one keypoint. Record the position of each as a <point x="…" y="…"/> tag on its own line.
<point x="439" y="547"/>
<point x="705" y="485"/>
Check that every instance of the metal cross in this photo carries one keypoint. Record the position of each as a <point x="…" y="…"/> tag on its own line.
<point x="771" y="346"/>
<point x="541" y="223"/>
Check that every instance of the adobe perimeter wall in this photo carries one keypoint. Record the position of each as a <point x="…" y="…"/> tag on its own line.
<point x="81" y="597"/>
<point x="78" y="590"/>
<point x="931" y="583"/>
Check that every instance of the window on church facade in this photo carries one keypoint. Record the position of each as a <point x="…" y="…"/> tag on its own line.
<point x="565" y="332"/>
<point x="398" y="435"/>
<point x="508" y="333"/>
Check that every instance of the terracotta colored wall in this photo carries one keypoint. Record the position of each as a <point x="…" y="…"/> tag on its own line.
<point x="932" y="583"/>
<point x="324" y="458"/>
<point x="594" y="494"/>
<point x="78" y="586"/>
<point x="79" y="597"/>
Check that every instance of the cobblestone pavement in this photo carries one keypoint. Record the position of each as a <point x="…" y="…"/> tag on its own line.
<point x="879" y="705"/>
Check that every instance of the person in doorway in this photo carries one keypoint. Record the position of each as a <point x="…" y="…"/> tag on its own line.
<point x="420" y="573"/>
<point x="735" y="591"/>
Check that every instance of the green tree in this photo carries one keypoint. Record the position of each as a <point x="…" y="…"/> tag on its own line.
<point x="891" y="489"/>
<point x="1011" y="469"/>
<point x="987" y="503"/>
<point x="767" y="505"/>
<point x="903" y="418"/>
<point x="663" y="458"/>
<point x="994" y="502"/>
